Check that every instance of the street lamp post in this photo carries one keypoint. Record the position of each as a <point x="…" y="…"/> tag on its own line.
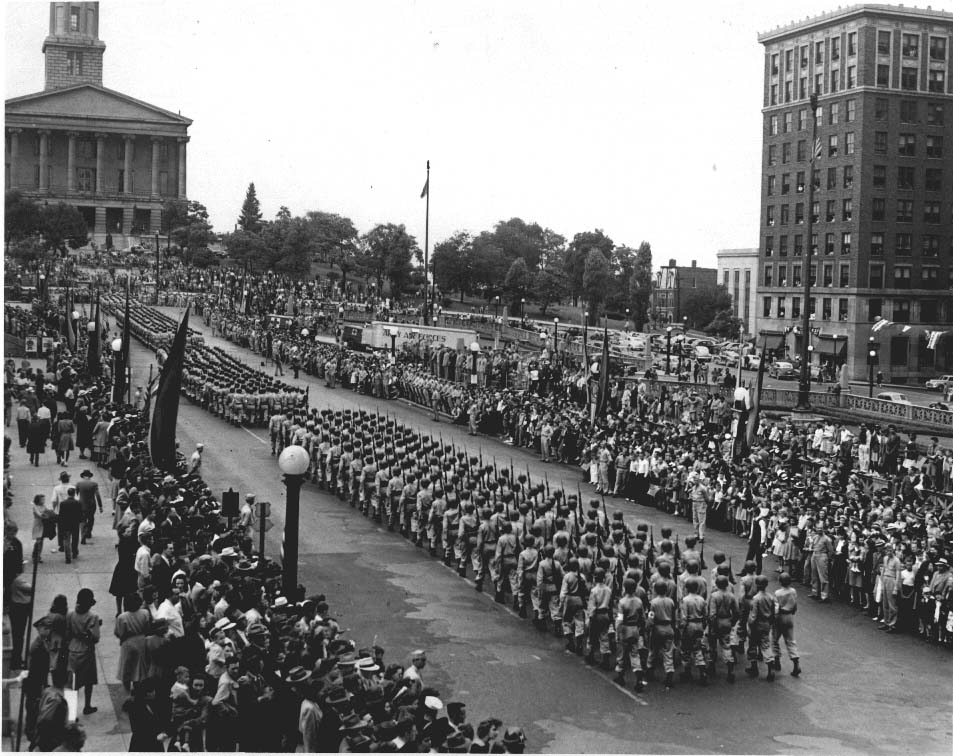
<point x="871" y="360"/>
<point x="668" y="350"/>
<point x="293" y="462"/>
<point x="157" y="267"/>
<point x="523" y="308"/>
<point x="497" y="300"/>
<point x="555" y="336"/>
<point x="392" y="332"/>
<point x="804" y="381"/>
<point x="116" y="346"/>
<point x="341" y="324"/>
<point x="474" y="351"/>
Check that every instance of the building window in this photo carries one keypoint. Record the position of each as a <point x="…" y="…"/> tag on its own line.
<point x="933" y="180"/>
<point x="833" y="113"/>
<point x="813" y="254"/>
<point x="774" y="95"/>
<point x="880" y="142"/>
<point x="786" y="152"/>
<point x="795" y="307"/>
<point x="901" y="314"/>
<point x="910" y="45"/>
<point x="766" y="307"/>
<point x="829" y="243"/>
<point x="785" y="183"/>
<point x="851" y="110"/>
<point x="847" y="214"/>
<point x="787" y="92"/>
<point x="795" y="275"/>
<point x="851" y="43"/>
<point x="849" y="143"/>
<point x="831" y="181"/>
<point x="804" y="56"/>
<point x="936" y="81"/>
<point x="883" y="42"/>
<point x="772" y="185"/>
<point x="835" y="48"/>
<point x="802" y="88"/>
<point x="938" y="48"/>
<point x="798" y="245"/>
<point x="780" y="307"/>
<point x="799" y="213"/>
<point x="875" y="308"/>
<point x="904" y="211"/>
<point x="901" y="276"/>
<point x="819" y="83"/>
<point x="880" y="176"/>
<point x="799" y="182"/>
<point x="85" y="179"/>
<point x="929" y="311"/>
<point x="907" y="145"/>
<point x="930" y="246"/>
<point x="842" y="309"/>
<point x="121" y="181"/>
<point x="931" y="212"/>
<point x="769" y="217"/>
<point x="828" y="274"/>
<point x="831" y="214"/>
<point x="835" y="80"/>
<point x="818" y="52"/>
<point x="815" y="212"/>
<point x="881" y="105"/>
<point x="788" y="60"/>
<point x="724" y="279"/>
<point x="848" y="176"/>
<point x="801" y="150"/>
<point x="851" y="77"/>
<point x="87" y="149"/>
<point x="769" y="275"/>
<point x="74" y="63"/>
<point x="785" y="215"/>
<point x="904" y="245"/>
<point x="163" y="183"/>
<point x="783" y="245"/>
<point x="832" y="145"/>
<point x="908" y="78"/>
<point x="908" y="111"/>
<point x="876" y="276"/>
<point x="802" y="119"/>
<point x="930" y="278"/>
<point x="883" y="75"/>
<point x="905" y="177"/>
<point x="878" y="209"/>
<point x="774" y="64"/>
<point x="935" y="114"/>
<point x="788" y="120"/>
<point x="74" y="19"/>
<point x="768" y="246"/>
<point x="826" y="308"/>
<point x="935" y="146"/>
<point x="772" y="154"/>
<point x="844" y="275"/>
<point x="877" y="243"/>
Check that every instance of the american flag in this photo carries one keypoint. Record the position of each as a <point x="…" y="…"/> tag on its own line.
<point x="817" y="150"/>
<point x="882" y="323"/>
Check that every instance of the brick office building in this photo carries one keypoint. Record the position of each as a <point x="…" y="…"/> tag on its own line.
<point x="670" y="287"/>
<point x="882" y="212"/>
<point x="116" y="158"/>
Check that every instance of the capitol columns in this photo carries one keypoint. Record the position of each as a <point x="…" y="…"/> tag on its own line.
<point x="181" y="174"/>
<point x="154" y="192"/>
<point x="128" y="145"/>
<point x="100" y="156"/>
<point x="44" y="159"/>
<point x="70" y="162"/>
<point x="14" y="156"/>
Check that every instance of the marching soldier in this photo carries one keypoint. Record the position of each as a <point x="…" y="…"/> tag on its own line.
<point x="630" y="624"/>
<point x="786" y="598"/>
<point x="693" y="619"/>
<point x="762" y="619"/>
<point x="600" y="618"/>
<point x="527" y="568"/>
<point x="506" y="558"/>
<point x="723" y="615"/>
<point x="467" y="536"/>
<point x="548" y="582"/>
<point x="661" y="621"/>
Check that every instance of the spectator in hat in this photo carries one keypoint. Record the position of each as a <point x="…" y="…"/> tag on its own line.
<point x="69" y="521"/>
<point x="87" y="491"/>
<point x="82" y="633"/>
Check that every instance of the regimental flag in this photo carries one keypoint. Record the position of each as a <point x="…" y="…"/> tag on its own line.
<point x="166" y="411"/>
<point x="122" y="359"/>
<point x="604" y="374"/>
<point x="817" y="150"/>
<point x="69" y="322"/>
<point x="932" y="338"/>
<point x="754" y="416"/>
<point x="94" y="365"/>
<point x="880" y="324"/>
<point x="426" y="190"/>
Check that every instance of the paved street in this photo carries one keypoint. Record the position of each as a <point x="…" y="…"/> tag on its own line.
<point x="862" y="691"/>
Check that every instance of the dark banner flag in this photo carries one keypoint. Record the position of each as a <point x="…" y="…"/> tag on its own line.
<point x="604" y="374"/>
<point x="94" y="364"/>
<point x="166" y="410"/>
<point x="122" y="359"/>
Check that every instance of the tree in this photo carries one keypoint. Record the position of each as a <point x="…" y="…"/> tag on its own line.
<point x="387" y="251"/>
<point x="518" y="239"/>
<point x="250" y="217"/>
<point x="487" y="264"/>
<point x="248" y="250"/>
<point x="577" y="254"/>
<point x="334" y="239"/>
<point x="187" y="224"/>
<point x="21" y="216"/>
<point x="640" y="286"/>
<point x="202" y="258"/>
<point x="63" y="227"/>
<point x="452" y="264"/>
<point x="549" y="286"/>
<point x="724" y="324"/>
<point x="297" y="249"/>
<point x="518" y="280"/>
<point x="701" y="305"/>
<point x="595" y="282"/>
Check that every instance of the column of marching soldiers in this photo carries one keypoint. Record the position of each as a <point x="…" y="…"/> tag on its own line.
<point x="612" y="592"/>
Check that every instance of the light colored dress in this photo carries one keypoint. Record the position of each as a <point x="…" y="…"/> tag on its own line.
<point x="82" y="630"/>
<point x="131" y="629"/>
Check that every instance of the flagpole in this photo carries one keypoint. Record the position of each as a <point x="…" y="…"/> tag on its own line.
<point x="426" y="316"/>
<point x="804" y="381"/>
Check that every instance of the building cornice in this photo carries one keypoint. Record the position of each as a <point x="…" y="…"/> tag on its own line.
<point x="854" y="11"/>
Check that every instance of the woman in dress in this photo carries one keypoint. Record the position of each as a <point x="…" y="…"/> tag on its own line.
<point x="100" y="435"/>
<point x="65" y="443"/>
<point x="36" y="436"/>
<point x="132" y="626"/>
<point x="41" y="513"/>
<point x="855" y="572"/>
<point x="82" y="632"/>
<point x="84" y="430"/>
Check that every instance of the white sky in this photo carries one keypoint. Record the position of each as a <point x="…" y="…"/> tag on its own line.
<point x="643" y="120"/>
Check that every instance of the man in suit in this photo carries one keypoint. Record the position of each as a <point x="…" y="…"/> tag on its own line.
<point x="69" y="519"/>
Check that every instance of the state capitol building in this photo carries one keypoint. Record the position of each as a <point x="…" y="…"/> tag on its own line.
<point x="117" y="159"/>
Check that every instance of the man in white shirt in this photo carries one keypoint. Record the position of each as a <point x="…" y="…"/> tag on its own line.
<point x="195" y="461"/>
<point x="60" y="493"/>
<point x="143" y="560"/>
<point x="171" y="611"/>
<point x="418" y="661"/>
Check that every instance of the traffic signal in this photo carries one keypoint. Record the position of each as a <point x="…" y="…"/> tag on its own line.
<point x="873" y="353"/>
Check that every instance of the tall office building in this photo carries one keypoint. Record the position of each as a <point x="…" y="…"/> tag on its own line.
<point x="882" y="212"/>
<point x="738" y="272"/>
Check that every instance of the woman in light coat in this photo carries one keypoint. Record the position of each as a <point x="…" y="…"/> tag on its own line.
<point x="41" y="513"/>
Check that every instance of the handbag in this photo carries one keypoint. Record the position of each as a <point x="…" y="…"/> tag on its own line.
<point x="49" y="527"/>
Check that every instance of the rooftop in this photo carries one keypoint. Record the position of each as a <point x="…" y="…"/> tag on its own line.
<point x="846" y="12"/>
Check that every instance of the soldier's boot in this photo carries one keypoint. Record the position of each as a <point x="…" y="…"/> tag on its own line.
<point x="687" y="674"/>
<point x="639" y="681"/>
<point x="580" y="645"/>
<point x="710" y="669"/>
<point x="571" y="645"/>
<point x="557" y="628"/>
<point x="669" y="679"/>
<point x="607" y="662"/>
<point x="777" y="663"/>
<point x="619" y="679"/>
<point x="644" y="658"/>
<point x="498" y="597"/>
<point x="447" y="560"/>
<point x="752" y="670"/>
<point x="796" y="672"/>
<point x="419" y="541"/>
<point x="702" y="676"/>
<point x="522" y="610"/>
<point x="462" y="571"/>
<point x="590" y="658"/>
<point x="432" y="550"/>
<point x="730" y="677"/>
<point x="770" y="677"/>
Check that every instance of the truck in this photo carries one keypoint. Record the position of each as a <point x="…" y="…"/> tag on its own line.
<point x="377" y="335"/>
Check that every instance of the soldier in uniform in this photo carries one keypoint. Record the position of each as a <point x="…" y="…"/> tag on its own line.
<point x="506" y="557"/>
<point x="723" y="614"/>
<point x="786" y="599"/>
<point x="761" y="621"/>
<point x="486" y="549"/>
<point x="572" y="597"/>
<point x="274" y="428"/>
<point x="467" y="536"/>
<point x="661" y="620"/>
<point x="693" y="617"/>
<point x="527" y="570"/>
<point x="630" y="625"/>
<point x="600" y="618"/>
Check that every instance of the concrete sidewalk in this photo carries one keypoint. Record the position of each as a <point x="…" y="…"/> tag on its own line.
<point x="108" y="728"/>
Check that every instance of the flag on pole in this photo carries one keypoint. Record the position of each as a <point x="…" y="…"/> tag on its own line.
<point x="426" y="190"/>
<point x="122" y="359"/>
<point x="604" y="376"/>
<point x="94" y="364"/>
<point x="166" y="411"/>
<point x="70" y="324"/>
<point x="817" y="150"/>
<point x="880" y="324"/>
<point x="933" y="337"/>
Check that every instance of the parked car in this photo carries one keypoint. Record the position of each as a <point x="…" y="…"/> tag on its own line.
<point x="701" y="353"/>
<point x="752" y="361"/>
<point x="894" y="396"/>
<point x="783" y="371"/>
<point x="940" y="384"/>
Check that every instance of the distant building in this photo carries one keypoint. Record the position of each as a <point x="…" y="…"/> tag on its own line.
<point x="738" y="273"/>
<point x="116" y="158"/>
<point x="882" y="220"/>
<point x="669" y="289"/>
